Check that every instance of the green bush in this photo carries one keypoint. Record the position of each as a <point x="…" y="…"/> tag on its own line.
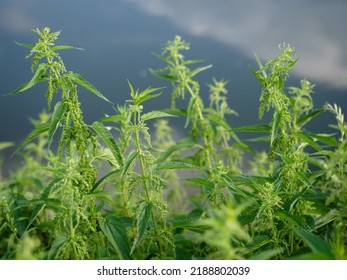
<point x="111" y="190"/>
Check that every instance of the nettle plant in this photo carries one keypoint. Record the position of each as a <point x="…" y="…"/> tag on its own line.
<point x="111" y="190"/>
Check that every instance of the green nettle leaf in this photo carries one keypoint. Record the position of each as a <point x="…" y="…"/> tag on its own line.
<point x="315" y="242"/>
<point x="291" y="219"/>
<point x="185" y="220"/>
<point x="250" y="180"/>
<point x="163" y="76"/>
<point x="259" y="77"/>
<point x="164" y="58"/>
<point x="104" y="178"/>
<point x="253" y="128"/>
<point x="116" y="118"/>
<point x="58" y="113"/>
<point x="175" y="164"/>
<point x="27" y="46"/>
<point x="132" y="155"/>
<point x="115" y="232"/>
<point x="184" y="144"/>
<point x="64" y="47"/>
<point x="99" y="194"/>
<point x="309" y="140"/>
<point x="155" y="115"/>
<point x="145" y="97"/>
<point x="56" y="245"/>
<point x="267" y="254"/>
<point x="38" y="77"/>
<point x="201" y="181"/>
<point x="198" y="70"/>
<point x="88" y="86"/>
<point x="108" y="139"/>
<point x="305" y="119"/>
<point x="143" y="216"/>
<point x="5" y="145"/>
<point x="188" y="222"/>
<point x="38" y="209"/>
<point x="326" y="139"/>
<point x="40" y="129"/>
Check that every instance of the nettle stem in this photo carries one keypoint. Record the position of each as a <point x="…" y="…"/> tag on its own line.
<point x="71" y="225"/>
<point x="125" y="197"/>
<point x="202" y="121"/>
<point x="145" y="178"/>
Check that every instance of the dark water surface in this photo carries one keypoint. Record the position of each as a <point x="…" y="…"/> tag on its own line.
<point x="119" y="37"/>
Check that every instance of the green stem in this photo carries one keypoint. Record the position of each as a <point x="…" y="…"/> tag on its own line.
<point x="125" y="197"/>
<point x="201" y="119"/>
<point x="72" y="229"/>
<point x="145" y="182"/>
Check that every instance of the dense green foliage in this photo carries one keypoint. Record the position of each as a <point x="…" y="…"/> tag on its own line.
<point x="116" y="189"/>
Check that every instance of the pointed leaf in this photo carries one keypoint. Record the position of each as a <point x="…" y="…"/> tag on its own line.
<point x="220" y="121"/>
<point x="38" y="77"/>
<point x="27" y="46"/>
<point x="163" y="58"/>
<point x="188" y="222"/>
<point x="101" y="180"/>
<point x="155" y="115"/>
<point x="143" y="216"/>
<point x="63" y="47"/>
<point x="198" y="70"/>
<point x="115" y="118"/>
<point x="259" y="77"/>
<point x="100" y="194"/>
<point x="326" y="139"/>
<point x="41" y="128"/>
<point x="182" y="221"/>
<point x="201" y="181"/>
<point x="267" y="254"/>
<point x="257" y="59"/>
<point x="34" y="214"/>
<point x="290" y="218"/>
<point x="192" y="61"/>
<point x="184" y="144"/>
<point x="315" y="242"/>
<point x="253" y="128"/>
<point x="88" y="86"/>
<point x="132" y="155"/>
<point x="56" y="245"/>
<point x="303" y="178"/>
<point x="143" y="98"/>
<point x="115" y="232"/>
<point x="163" y="76"/>
<point x="5" y="145"/>
<point x="248" y="196"/>
<point x="175" y="164"/>
<point x="250" y="180"/>
<point x="303" y="120"/>
<point x="265" y="139"/>
<point x="106" y="155"/>
<point x="108" y="139"/>
<point x="309" y="140"/>
<point x="58" y="113"/>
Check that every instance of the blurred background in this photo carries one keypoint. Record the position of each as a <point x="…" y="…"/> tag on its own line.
<point x="119" y="35"/>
